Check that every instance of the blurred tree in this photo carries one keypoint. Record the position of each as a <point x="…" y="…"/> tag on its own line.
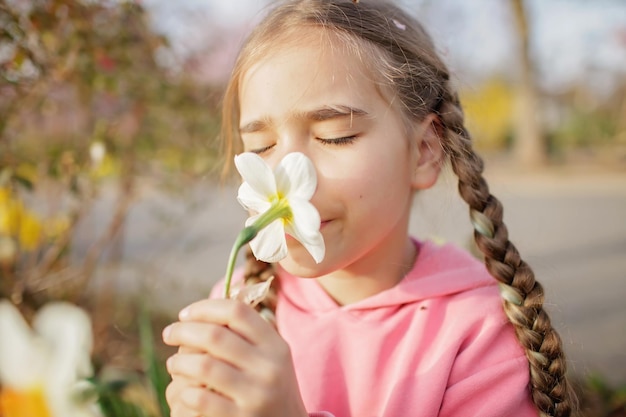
<point x="529" y="143"/>
<point x="83" y="98"/>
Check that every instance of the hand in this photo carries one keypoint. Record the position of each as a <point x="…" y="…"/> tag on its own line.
<point x="231" y="362"/>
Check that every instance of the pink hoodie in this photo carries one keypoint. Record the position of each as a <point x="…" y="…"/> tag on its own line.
<point x="436" y="344"/>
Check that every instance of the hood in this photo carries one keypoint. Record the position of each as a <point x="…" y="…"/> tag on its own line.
<point x="439" y="270"/>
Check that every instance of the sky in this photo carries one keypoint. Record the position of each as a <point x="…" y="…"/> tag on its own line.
<point x="572" y="40"/>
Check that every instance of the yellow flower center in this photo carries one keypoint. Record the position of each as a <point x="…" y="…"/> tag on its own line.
<point x="280" y="208"/>
<point x="30" y="403"/>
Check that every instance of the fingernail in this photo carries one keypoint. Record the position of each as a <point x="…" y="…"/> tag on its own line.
<point x="184" y="313"/>
<point x="167" y="332"/>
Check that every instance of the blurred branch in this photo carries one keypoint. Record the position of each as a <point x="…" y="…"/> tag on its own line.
<point x="115" y="225"/>
<point x="529" y="144"/>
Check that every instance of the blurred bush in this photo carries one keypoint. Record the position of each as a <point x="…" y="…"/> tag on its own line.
<point x="84" y="102"/>
<point x="598" y="398"/>
<point x="576" y="121"/>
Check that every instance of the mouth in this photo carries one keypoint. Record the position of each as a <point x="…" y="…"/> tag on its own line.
<point x="324" y="223"/>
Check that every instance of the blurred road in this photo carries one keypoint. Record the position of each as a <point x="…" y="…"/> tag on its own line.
<point x="570" y="226"/>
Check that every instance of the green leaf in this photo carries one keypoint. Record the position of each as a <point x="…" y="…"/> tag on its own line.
<point x="24" y="182"/>
<point x="111" y="402"/>
<point x="155" y="369"/>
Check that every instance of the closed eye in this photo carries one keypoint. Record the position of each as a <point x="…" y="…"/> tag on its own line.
<point x="261" y="150"/>
<point x="346" y="140"/>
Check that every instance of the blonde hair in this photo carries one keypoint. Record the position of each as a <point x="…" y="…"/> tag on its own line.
<point x="406" y="60"/>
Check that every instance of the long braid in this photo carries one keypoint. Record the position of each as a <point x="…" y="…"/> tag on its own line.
<point x="256" y="271"/>
<point x="522" y="295"/>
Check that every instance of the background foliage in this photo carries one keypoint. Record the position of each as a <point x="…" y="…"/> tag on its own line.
<point x="85" y="105"/>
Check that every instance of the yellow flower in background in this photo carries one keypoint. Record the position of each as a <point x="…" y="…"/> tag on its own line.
<point x="7" y="212"/>
<point x="18" y="222"/>
<point x="106" y="168"/>
<point x="489" y="112"/>
<point x="30" y="230"/>
<point x="43" y="368"/>
<point x="5" y="193"/>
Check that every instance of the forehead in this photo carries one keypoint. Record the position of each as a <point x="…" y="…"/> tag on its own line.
<point x="315" y="68"/>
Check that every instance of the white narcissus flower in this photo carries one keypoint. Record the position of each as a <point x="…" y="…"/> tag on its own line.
<point x="280" y="202"/>
<point x="43" y="368"/>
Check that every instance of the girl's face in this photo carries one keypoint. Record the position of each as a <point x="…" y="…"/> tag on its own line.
<point x="323" y="102"/>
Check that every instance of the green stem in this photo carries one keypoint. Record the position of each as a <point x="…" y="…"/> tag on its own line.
<point x="278" y="210"/>
<point x="246" y="235"/>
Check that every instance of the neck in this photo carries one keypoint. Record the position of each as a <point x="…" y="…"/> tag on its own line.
<point x="375" y="273"/>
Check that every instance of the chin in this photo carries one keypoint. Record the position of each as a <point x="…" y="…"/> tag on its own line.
<point x="301" y="266"/>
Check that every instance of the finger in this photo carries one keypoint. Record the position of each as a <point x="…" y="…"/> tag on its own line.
<point x="207" y="371"/>
<point x="187" y="349"/>
<point x="181" y="349"/>
<point x="234" y="314"/>
<point x="174" y="388"/>
<point x="206" y="402"/>
<point x="219" y="341"/>
<point x="172" y="395"/>
<point x="182" y="411"/>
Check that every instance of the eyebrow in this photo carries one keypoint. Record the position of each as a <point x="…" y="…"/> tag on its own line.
<point x="333" y="112"/>
<point x="317" y="115"/>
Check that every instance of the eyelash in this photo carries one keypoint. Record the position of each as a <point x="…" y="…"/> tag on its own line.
<point x="261" y="150"/>
<point x="346" y="140"/>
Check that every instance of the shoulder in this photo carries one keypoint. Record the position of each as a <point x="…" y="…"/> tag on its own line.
<point x="468" y="300"/>
<point x="489" y="373"/>
<point x="449" y="271"/>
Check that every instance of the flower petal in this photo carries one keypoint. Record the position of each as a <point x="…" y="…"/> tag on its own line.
<point x="253" y="294"/>
<point x="269" y="245"/>
<point x="257" y="173"/>
<point x="305" y="227"/>
<point x="22" y="356"/>
<point x="250" y="199"/>
<point x="295" y="176"/>
<point x="66" y="329"/>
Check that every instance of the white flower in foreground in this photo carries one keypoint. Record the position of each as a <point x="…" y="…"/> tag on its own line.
<point x="42" y="369"/>
<point x="280" y="200"/>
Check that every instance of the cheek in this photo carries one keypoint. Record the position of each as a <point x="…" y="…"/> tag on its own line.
<point x="363" y="188"/>
<point x="380" y="174"/>
<point x="344" y="179"/>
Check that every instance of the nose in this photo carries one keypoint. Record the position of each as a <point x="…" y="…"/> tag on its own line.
<point x="289" y="141"/>
<point x="296" y="140"/>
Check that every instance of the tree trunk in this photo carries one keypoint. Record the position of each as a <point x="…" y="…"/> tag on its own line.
<point x="529" y="147"/>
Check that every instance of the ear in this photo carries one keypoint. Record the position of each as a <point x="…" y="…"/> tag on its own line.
<point x="427" y="152"/>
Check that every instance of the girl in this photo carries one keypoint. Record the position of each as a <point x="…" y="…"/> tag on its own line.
<point x="386" y="325"/>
